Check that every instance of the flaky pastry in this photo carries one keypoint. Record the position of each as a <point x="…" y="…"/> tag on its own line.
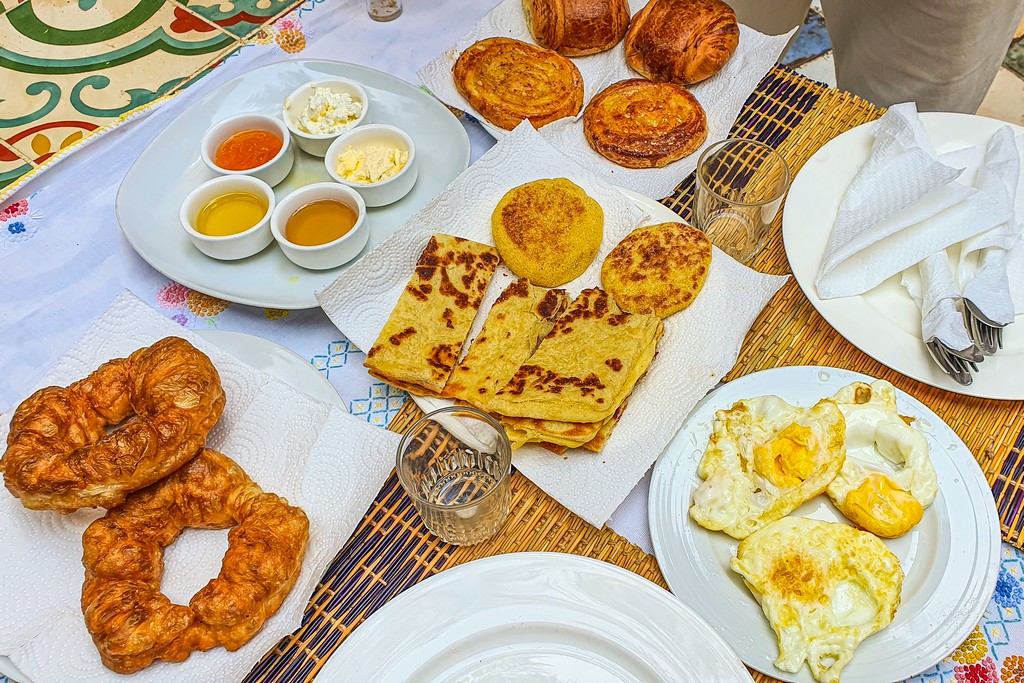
<point x="508" y="80"/>
<point x="59" y="455"/>
<point x="131" y="622"/>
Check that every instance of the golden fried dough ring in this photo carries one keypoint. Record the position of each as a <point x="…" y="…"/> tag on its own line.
<point x="508" y="80"/>
<point x="638" y="123"/>
<point x="59" y="455"/>
<point x="132" y="623"/>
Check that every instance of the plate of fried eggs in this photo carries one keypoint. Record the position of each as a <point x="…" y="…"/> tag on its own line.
<point x="827" y="525"/>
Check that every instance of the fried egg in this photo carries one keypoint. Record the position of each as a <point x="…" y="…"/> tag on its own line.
<point x="887" y="480"/>
<point x="764" y="459"/>
<point x="824" y="587"/>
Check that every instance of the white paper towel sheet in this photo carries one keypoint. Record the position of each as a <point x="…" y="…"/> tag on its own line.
<point x="700" y="344"/>
<point x="722" y="95"/>
<point x="317" y="456"/>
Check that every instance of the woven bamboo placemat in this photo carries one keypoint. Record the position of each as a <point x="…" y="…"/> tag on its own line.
<point x="392" y="550"/>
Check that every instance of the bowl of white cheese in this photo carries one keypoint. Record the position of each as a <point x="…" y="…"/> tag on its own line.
<point x="376" y="160"/>
<point x="319" y="111"/>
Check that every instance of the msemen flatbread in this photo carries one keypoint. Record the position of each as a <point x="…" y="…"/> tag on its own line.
<point x="586" y="366"/>
<point x="657" y="269"/>
<point x="422" y="339"/>
<point x="522" y="315"/>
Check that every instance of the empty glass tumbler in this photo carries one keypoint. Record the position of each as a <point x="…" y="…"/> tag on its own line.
<point x="740" y="186"/>
<point x="455" y="464"/>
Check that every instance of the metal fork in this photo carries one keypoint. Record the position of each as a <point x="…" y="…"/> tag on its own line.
<point x="957" y="364"/>
<point x="987" y="334"/>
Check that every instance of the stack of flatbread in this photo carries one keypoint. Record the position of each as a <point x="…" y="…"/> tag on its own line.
<point x="553" y="371"/>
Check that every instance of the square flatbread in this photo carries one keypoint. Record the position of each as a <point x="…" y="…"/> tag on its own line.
<point x="586" y="366"/>
<point x="522" y="315"/>
<point x="422" y="339"/>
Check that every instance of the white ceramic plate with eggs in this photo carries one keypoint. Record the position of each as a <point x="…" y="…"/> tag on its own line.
<point x="153" y="189"/>
<point x="950" y="559"/>
<point x="884" y="322"/>
<point x="537" y="617"/>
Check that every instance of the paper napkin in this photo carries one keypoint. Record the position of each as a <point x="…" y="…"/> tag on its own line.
<point x="982" y="269"/>
<point x="722" y="95"/>
<point x="318" y="457"/>
<point x="931" y="285"/>
<point x="902" y="206"/>
<point x="700" y="344"/>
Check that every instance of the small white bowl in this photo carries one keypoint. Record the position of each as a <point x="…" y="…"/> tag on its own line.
<point x="228" y="247"/>
<point x="386" y="191"/>
<point x="272" y="172"/>
<point x="295" y="103"/>
<point x="322" y="256"/>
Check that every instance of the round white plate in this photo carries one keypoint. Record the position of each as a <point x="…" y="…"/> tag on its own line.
<point x="534" y="617"/>
<point x="950" y="559"/>
<point x="885" y="323"/>
<point x="278" y="362"/>
<point x="153" y="189"/>
<point x="275" y="360"/>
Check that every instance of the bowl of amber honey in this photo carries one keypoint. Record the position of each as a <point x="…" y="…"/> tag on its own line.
<point x="256" y="145"/>
<point x="228" y="218"/>
<point x="320" y="226"/>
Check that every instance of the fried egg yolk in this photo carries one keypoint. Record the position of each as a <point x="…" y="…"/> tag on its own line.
<point x="787" y="460"/>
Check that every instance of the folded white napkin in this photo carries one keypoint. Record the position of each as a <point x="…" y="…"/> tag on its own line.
<point x="902" y="206"/>
<point x="982" y="270"/>
<point x="931" y="285"/>
<point x="699" y="346"/>
<point x="320" y="458"/>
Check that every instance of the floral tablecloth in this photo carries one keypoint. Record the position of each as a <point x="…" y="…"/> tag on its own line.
<point x="63" y="259"/>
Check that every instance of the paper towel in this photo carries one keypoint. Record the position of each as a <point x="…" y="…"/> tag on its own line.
<point x="722" y="95"/>
<point x="700" y="344"/>
<point x="317" y="456"/>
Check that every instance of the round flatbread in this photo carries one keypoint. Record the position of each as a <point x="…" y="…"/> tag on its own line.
<point x="547" y="231"/>
<point x="508" y="80"/>
<point x="638" y="123"/>
<point x="657" y="269"/>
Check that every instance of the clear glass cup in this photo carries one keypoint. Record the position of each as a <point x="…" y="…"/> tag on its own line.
<point x="455" y="463"/>
<point x="740" y="186"/>
<point x="384" y="10"/>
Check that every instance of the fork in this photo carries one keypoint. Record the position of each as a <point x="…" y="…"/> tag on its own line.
<point x="957" y="364"/>
<point x="988" y="335"/>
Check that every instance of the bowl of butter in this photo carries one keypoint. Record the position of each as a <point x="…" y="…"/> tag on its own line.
<point x="376" y="160"/>
<point x="319" y="111"/>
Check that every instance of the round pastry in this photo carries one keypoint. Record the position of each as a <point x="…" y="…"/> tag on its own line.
<point x="131" y="622"/>
<point x="508" y="80"/>
<point x="577" y="27"/>
<point x="547" y="231"/>
<point x="681" y="41"/>
<point x="59" y="456"/>
<point x="638" y="123"/>
<point x="657" y="269"/>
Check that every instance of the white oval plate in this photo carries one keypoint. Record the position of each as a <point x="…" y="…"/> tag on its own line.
<point x="275" y="360"/>
<point x="950" y="559"/>
<point x="534" y="617"/>
<point x="153" y="189"/>
<point x="885" y="323"/>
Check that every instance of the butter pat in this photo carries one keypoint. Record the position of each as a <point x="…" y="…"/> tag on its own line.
<point x="371" y="164"/>
<point x="328" y="112"/>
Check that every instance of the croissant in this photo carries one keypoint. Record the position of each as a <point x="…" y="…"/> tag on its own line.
<point x="577" y="27"/>
<point x="681" y="41"/>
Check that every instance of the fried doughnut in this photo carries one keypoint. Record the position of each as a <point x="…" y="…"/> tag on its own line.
<point x="508" y="80"/>
<point x="131" y="622"/>
<point x="59" y="455"/>
<point x="638" y="123"/>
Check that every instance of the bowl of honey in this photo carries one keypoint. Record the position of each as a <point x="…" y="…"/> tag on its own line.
<point x="228" y="218"/>
<point x="320" y="226"/>
<point x="256" y="145"/>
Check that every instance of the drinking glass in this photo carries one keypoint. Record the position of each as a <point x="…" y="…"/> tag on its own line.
<point x="455" y="464"/>
<point x="740" y="186"/>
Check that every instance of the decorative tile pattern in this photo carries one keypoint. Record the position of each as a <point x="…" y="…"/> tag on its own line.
<point x="239" y="17"/>
<point x="12" y="166"/>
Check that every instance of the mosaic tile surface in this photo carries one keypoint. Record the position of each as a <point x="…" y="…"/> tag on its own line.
<point x="71" y="68"/>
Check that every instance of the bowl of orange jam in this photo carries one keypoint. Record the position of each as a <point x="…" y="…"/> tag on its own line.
<point x="321" y="226"/>
<point x="256" y="145"/>
<point x="228" y="218"/>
